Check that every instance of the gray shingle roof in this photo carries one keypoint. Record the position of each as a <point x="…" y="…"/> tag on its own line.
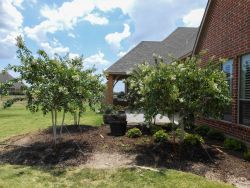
<point x="4" y="77"/>
<point x="177" y="44"/>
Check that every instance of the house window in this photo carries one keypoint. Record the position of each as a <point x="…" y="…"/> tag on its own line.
<point x="227" y="67"/>
<point x="244" y="103"/>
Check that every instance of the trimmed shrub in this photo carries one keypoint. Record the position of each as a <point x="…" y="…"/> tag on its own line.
<point x="178" y="132"/>
<point x="155" y="128"/>
<point x="235" y="145"/>
<point x="134" y="133"/>
<point x="193" y="140"/>
<point x="215" y="135"/>
<point x="247" y="155"/>
<point x="202" y="130"/>
<point x="160" y="136"/>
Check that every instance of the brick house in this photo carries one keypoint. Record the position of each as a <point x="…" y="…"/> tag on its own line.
<point x="225" y="33"/>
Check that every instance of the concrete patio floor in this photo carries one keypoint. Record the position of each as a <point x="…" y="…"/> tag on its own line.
<point x="134" y="119"/>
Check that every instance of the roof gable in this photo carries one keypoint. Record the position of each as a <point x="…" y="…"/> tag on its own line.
<point x="177" y="44"/>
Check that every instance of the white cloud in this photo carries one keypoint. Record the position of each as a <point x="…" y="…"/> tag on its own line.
<point x="193" y="18"/>
<point x="17" y="3"/>
<point x="114" y="39"/>
<point x="69" y="14"/>
<point x="71" y="35"/>
<point x="73" y="55"/>
<point x="96" y="19"/>
<point x="58" y="19"/>
<point x="122" y="53"/>
<point x="10" y="27"/>
<point x="96" y="59"/>
<point x="107" y="5"/>
<point x="55" y="47"/>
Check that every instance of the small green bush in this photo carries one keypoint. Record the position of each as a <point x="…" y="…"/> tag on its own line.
<point x="202" y="130"/>
<point x="178" y="132"/>
<point x="234" y="144"/>
<point x="215" y="135"/>
<point x="193" y="140"/>
<point x="134" y="133"/>
<point x="160" y="136"/>
<point x="247" y="155"/>
<point x="155" y="128"/>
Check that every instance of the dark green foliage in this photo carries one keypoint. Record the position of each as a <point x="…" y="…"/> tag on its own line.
<point x="10" y="102"/>
<point x="171" y="126"/>
<point x="247" y="155"/>
<point x="160" y="136"/>
<point x="134" y="133"/>
<point x="235" y="145"/>
<point x="108" y="109"/>
<point x="215" y="135"/>
<point x="202" y="130"/>
<point x="155" y="128"/>
<point x="193" y="140"/>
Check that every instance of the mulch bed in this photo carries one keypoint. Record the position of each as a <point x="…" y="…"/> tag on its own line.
<point x="74" y="149"/>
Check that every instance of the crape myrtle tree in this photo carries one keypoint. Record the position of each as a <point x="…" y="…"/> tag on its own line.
<point x="56" y="84"/>
<point x="182" y="88"/>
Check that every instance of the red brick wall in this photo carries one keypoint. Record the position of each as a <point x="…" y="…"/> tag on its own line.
<point x="226" y="34"/>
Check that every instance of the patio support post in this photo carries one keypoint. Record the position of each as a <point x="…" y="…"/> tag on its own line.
<point x="109" y="94"/>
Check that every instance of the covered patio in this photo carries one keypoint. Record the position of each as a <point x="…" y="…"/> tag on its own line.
<point x="179" y="44"/>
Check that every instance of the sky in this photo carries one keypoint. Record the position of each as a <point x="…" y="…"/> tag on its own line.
<point x="100" y="30"/>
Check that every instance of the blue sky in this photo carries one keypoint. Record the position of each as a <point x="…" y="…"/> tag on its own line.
<point x="101" y="30"/>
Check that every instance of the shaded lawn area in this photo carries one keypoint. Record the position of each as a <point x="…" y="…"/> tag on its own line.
<point x="18" y="120"/>
<point x="23" y="176"/>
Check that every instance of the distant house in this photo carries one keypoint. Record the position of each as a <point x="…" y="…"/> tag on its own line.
<point x="16" y="88"/>
<point x="225" y="33"/>
<point x="178" y="44"/>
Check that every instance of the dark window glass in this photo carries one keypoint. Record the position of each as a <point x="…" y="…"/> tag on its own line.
<point x="245" y="90"/>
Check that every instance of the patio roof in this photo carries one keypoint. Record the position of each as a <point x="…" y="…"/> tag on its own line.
<point x="178" y="44"/>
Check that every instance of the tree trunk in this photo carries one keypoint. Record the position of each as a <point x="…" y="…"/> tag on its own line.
<point x="79" y="116"/>
<point x="62" y="123"/>
<point x="182" y="129"/>
<point x="53" y="125"/>
<point x="75" y="118"/>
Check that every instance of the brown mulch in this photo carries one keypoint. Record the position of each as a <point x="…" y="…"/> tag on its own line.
<point x="83" y="142"/>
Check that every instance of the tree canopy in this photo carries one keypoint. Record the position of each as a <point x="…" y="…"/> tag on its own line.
<point x="56" y="84"/>
<point x="182" y="87"/>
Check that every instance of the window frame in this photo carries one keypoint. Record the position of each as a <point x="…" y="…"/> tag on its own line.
<point x="231" y="86"/>
<point x="240" y="99"/>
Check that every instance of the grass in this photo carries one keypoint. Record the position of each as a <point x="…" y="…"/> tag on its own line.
<point x="25" y="176"/>
<point x="18" y="120"/>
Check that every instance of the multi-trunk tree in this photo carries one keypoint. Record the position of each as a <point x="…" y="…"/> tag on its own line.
<point x="56" y="84"/>
<point x="182" y="88"/>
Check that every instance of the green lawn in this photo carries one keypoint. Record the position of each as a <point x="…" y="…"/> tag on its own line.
<point x="23" y="176"/>
<point x="17" y="120"/>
